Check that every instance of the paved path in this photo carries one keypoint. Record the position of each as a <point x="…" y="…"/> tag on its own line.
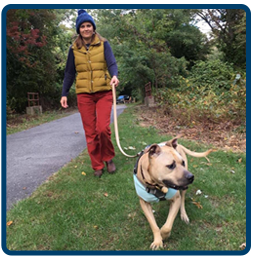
<point x="35" y="154"/>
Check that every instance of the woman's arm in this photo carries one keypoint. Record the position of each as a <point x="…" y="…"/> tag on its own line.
<point x="111" y="63"/>
<point x="70" y="72"/>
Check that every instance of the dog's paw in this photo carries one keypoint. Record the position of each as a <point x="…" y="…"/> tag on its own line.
<point x="157" y="244"/>
<point x="184" y="218"/>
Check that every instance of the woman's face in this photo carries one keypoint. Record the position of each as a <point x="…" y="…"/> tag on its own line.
<point x="86" y="30"/>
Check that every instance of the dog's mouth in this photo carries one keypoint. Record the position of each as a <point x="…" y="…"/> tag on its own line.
<point x="173" y="186"/>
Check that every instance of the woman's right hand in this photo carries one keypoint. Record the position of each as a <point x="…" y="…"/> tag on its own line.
<point x="63" y="102"/>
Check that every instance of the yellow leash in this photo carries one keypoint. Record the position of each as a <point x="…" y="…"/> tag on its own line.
<point x="116" y="130"/>
<point x="163" y="189"/>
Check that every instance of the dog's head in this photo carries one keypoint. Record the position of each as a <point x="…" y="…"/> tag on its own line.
<point x="167" y="167"/>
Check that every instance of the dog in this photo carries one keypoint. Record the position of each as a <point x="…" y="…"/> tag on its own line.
<point x="161" y="172"/>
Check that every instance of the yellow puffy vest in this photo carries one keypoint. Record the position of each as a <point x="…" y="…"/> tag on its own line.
<point x="91" y="67"/>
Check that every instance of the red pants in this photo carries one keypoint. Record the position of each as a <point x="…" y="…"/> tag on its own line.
<point x="95" y="110"/>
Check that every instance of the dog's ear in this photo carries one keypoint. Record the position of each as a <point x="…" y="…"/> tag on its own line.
<point x="173" y="143"/>
<point x="154" y="150"/>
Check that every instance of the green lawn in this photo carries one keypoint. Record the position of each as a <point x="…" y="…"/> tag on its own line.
<point x="17" y="123"/>
<point x="74" y="210"/>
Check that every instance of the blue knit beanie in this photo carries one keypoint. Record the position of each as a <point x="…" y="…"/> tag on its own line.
<point x="83" y="16"/>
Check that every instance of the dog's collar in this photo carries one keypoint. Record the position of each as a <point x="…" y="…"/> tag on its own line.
<point x="157" y="193"/>
<point x="149" y="195"/>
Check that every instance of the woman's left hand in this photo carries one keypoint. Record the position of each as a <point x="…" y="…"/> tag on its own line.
<point x="115" y="81"/>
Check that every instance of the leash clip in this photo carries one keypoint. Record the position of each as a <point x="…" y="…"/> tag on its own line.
<point x="157" y="193"/>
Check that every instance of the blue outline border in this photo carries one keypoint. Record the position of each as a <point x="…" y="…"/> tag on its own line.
<point x="248" y="129"/>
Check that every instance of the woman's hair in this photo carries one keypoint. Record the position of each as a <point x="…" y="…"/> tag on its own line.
<point x="79" y="40"/>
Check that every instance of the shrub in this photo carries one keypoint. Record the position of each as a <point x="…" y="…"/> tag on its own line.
<point x="213" y="75"/>
<point x="201" y="102"/>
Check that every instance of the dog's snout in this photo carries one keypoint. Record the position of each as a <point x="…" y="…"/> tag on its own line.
<point x="190" y="177"/>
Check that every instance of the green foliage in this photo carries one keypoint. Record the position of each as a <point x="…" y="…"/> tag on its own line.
<point x="182" y="37"/>
<point x="228" y="27"/>
<point x="36" y="56"/>
<point x="161" y="46"/>
<point x="135" y="70"/>
<point x="142" y="42"/>
<point x="209" y="100"/>
<point x="212" y="75"/>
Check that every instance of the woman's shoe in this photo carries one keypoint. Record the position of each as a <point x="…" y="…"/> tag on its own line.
<point x="98" y="173"/>
<point x="111" y="168"/>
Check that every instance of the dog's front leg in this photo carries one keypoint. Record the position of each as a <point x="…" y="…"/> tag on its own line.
<point x="173" y="211"/>
<point x="183" y="214"/>
<point x="147" y="208"/>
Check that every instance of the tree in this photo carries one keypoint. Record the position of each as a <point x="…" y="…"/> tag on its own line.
<point x="22" y="36"/>
<point x="176" y="27"/>
<point x="36" y="45"/>
<point x="229" y="26"/>
<point x="142" y="41"/>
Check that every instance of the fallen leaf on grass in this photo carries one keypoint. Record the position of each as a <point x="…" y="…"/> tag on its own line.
<point x="105" y="194"/>
<point x="198" y="204"/>
<point x="239" y="160"/>
<point x="132" y="215"/>
<point x="95" y="227"/>
<point x="83" y="173"/>
<point x="9" y="223"/>
<point x="198" y="192"/>
<point x="218" y="229"/>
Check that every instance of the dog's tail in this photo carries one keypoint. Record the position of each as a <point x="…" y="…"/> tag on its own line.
<point x="195" y="154"/>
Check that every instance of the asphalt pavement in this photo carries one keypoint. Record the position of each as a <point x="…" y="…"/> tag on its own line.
<point x="37" y="153"/>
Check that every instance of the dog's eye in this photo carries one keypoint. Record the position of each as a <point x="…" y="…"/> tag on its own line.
<point x="183" y="163"/>
<point x="172" y="166"/>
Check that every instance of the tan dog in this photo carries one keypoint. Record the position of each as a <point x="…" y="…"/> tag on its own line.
<point x="161" y="171"/>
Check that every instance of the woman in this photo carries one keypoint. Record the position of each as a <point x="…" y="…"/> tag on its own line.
<point x="91" y="58"/>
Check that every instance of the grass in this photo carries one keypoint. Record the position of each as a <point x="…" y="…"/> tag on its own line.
<point x="73" y="210"/>
<point x="17" y="123"/>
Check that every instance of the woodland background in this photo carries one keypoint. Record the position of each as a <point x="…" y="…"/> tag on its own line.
<point x="204" y="75"/>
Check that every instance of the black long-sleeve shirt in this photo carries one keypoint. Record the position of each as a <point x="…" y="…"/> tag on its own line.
<point x="70" y="70"/>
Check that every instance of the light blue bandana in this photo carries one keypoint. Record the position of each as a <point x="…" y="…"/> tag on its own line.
<point x="148" y="197"/>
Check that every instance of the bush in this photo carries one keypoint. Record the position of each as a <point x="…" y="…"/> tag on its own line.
<point x="212" y="75"/>
<point x="193" y="102"/>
